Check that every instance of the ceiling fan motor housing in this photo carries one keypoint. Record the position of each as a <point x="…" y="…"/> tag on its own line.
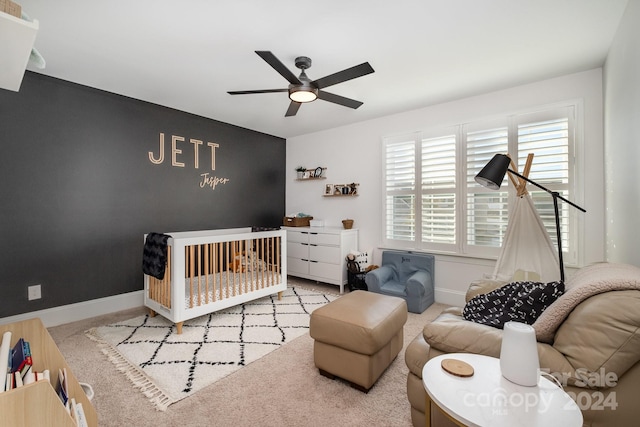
<point x="304" y="92"/>
<point x="303" y="62"/>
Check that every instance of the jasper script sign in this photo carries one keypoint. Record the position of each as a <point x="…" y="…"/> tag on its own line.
<point x="207" y="179"/>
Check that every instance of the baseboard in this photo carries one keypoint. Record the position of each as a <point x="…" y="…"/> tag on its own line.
<point x="449" y="297"/>
<point x="82" y="310"/>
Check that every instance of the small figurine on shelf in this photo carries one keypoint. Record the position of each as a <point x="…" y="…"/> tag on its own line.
<point x="354" y="188"/>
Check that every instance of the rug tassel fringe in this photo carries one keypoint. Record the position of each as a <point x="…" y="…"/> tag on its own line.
<point x="156" y="396"/>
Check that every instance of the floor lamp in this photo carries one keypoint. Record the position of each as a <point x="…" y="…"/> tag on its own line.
<point x="493" y="173"/>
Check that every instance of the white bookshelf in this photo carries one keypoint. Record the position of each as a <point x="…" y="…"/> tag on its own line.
<point x="38" y="404"/>
<point x="18" y="37"/>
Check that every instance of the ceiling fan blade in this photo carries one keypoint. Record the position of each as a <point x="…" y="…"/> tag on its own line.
<point x="337" y="99"/>
<point x="293" y="109"/>
<point x="344" y="75"/>
<point x="275" y="63"/>
<point x="248" y="92"/>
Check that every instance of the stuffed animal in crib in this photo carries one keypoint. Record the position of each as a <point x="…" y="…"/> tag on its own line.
<point x="247" y="262"/>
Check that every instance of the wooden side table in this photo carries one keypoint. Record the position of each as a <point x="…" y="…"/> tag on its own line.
<point x="487" y="399"/>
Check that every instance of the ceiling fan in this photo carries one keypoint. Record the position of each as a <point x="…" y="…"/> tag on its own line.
<point x="301" y="89"/>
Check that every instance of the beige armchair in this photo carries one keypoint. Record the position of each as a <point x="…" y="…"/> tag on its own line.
<point x="589" y="339"/>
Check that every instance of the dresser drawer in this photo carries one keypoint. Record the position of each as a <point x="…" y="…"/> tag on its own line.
<point x="297" y="236"/>
<point x="324" y="239"/>
<point x="297" y="250"/>
<point x="296" y="266"/>
<point x="330" y="273"/>
<point x="327" y="254"/>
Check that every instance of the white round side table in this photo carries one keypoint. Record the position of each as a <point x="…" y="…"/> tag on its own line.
<point x="487" y="399"/>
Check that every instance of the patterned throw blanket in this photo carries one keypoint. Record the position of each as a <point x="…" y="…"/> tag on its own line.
<point x="585" y="283"/>
<point x="154" y="255"/>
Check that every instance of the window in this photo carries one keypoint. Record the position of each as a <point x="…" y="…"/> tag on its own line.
<point x="432" y="201"/>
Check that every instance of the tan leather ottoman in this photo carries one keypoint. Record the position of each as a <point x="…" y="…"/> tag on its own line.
<point x="357" y="336"/>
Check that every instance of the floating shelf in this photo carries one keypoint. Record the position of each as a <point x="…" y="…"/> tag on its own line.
<point x="311" y="178"/>
<point x="338" y="190"/>
<point x="313" y="173"/>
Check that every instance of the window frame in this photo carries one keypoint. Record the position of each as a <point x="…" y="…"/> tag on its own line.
<point x="572" y="252"/>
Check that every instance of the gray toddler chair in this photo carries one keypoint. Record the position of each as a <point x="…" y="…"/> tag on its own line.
<point x="407" y="275"/>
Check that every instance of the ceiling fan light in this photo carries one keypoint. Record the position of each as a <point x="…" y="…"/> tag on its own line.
<point x="303" y="94"/>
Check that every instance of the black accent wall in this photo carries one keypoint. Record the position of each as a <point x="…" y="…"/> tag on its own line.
<point x="78" y="187"/>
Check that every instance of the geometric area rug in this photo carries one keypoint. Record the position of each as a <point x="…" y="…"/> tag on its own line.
<point x="168" y="367"/>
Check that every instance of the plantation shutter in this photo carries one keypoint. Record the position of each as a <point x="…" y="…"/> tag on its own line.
<point x="547" y="135"/>
<point x="487" y="210"/>
<point x="438" y="185"/>
<point x="400" y="189"/>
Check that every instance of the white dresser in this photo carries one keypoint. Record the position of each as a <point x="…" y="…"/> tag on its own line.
<point x="318" y="253"/>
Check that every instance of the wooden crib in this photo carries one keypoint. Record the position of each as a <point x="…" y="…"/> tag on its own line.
<point x="210" y="270"/>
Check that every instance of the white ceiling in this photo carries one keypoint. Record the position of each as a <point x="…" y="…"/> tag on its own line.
<point x="188" y="54"/>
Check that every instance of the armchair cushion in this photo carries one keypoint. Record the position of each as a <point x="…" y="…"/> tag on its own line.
<point x="588" y="281"/>
<point x="608" y="325"/>
<point x="517" y="301"/>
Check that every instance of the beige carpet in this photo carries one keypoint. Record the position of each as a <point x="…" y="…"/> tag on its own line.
<point x="280" y="389"/>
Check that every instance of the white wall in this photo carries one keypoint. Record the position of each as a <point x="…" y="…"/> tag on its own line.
<point x="622" y="140"/>
<point x="353" y="153"/>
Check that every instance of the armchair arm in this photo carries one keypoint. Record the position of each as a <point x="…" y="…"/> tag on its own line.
<point x="482" y="286"/>
<point x="375" y="278"/>
<point x="450" y="333"/>
<point x="417" y="283"/>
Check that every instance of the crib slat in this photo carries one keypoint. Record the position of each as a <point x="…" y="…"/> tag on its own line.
<point x="264" y="252"/>
<point x="247" y="267"/>
<point x="264" y="262"/>
<point x="268" y="262"/>
<point x="237" y="270"/>
<point x="206" y="273"/>
<point x="235" y="289"/>
<point x="199" y="273"/>
<point x="254" y="274"/>
<point x="214" y="252"/>
<point x="191" y="269"/>
<point x="223" y="255"/>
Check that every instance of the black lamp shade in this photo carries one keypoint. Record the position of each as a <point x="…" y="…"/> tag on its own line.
<point x="492" y="174"/>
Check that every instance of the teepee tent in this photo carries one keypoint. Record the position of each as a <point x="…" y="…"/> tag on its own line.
<point x="527" y="251"/>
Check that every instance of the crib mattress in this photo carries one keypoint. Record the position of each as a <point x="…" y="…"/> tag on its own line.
<point x="222" y="286"/>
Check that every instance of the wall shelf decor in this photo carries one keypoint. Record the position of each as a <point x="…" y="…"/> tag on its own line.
<point x="304" y="174"/>
<point x="341" y="190"/>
